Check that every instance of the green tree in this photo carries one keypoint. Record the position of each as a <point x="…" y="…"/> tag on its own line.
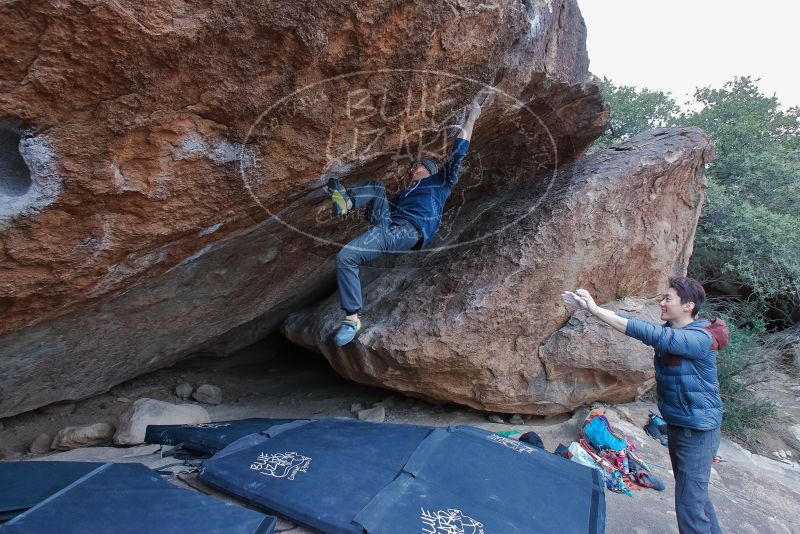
<point x="749" y="234"/>
<point x="742" y="241"/>
<point x="634" y="111"/>
<point x="758" y="146"/>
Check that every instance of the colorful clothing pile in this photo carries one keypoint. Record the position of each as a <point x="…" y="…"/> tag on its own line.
<point x="601" y="447"/>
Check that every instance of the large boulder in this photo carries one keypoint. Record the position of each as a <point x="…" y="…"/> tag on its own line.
<point x="162" y="162"/>
<point x="482" y="323"/>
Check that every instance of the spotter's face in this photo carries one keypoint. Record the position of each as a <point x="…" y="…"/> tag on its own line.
<point x="671" y="307"/>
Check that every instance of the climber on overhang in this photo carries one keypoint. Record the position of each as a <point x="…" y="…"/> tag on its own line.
<point x="409" y="222"/>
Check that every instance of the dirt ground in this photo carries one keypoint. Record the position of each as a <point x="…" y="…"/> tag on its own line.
<point x="273" y="379"/>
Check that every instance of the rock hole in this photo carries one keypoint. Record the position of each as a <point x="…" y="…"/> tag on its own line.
<point x="15" y="177"/>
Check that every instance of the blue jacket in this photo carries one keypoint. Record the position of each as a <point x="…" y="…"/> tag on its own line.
<point x="686" y="372"/>
<point x="423" y="202"/>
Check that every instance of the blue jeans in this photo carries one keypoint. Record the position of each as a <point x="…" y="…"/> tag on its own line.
<point x="386" y="235"/>
<point x="692" y="452"/>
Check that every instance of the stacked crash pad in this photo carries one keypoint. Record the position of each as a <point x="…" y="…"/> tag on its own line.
<point x="344" y="476"/>
<point x="23" y="485"/>
<point x="75" y="497"/>
<point x="208" y="438"/>
<point x="333" y="475"/>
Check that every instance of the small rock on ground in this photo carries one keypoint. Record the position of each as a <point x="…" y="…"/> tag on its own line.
<point x="516" y="419"/>
<point x="494" y="418"/>
<point x="184" y="390"/>
<point x="373" y="415"/>
<point x="73" y="437"/>
<point x="208" y="394"/>
<point x="357" y="407"/>
<point x="41" y="444"/>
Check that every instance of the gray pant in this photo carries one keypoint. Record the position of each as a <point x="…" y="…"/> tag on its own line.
<point x="692" y="452"/>
<point x="386" y="235"/>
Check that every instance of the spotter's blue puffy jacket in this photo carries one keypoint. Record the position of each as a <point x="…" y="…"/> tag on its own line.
<point x="686" y="372"/>
<point x="423" y="202"/>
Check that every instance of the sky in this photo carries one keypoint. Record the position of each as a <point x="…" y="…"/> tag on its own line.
<point x="677" y="45"/>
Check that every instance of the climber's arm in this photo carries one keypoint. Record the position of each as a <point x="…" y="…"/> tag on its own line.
<point x="582" y="300"/>
<point x="452" y="166"/>
<point x="472" y="115"/>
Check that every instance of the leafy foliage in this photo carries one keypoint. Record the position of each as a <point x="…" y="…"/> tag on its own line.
<point x="758" y="146"/>
<point x="745" y="413"/>
<point x="634" y="111"/>
<point x="749" y="244"/>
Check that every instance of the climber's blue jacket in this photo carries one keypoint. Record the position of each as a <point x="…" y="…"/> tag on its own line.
<point x="423" y="202"/>
<point x="686" y="372"/>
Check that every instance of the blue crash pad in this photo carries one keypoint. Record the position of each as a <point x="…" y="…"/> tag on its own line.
<point x="25" y="484"/>
<point x="130" y="498"/>
<point x="208" y="438"/>
<point x="478" y="481"/>
<point x="344" y="476"/>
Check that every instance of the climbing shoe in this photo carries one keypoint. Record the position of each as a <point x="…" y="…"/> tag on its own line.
<point x="340" y="199"/>
<point x="347" y="332"/>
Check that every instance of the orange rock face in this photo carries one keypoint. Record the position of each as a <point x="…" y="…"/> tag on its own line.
<point x="160" y="162"/>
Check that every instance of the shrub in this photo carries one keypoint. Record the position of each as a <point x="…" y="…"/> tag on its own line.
<point x="746" y="415"/>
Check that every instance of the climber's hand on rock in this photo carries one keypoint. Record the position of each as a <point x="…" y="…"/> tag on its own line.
<point x="590" y="303"/>
<point x="571" y="300"/>
<point x="473" y="112"/>
<point x="580" y="300"/>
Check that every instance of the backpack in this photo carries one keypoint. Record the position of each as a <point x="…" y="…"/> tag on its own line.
<point x="719" y="334"/>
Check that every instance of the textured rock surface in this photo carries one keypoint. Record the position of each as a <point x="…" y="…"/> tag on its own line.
<point x="586" y="361"/>
<point x="129" y="239"/>
<point x="475" y="325"/>
<point x="133" y="421"/>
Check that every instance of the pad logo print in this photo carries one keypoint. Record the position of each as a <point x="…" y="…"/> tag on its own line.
<point x="209" y="425"/>
<point x="511" y="444"/>
<point x="450" y="521"/>
<point x="281" y="464"/>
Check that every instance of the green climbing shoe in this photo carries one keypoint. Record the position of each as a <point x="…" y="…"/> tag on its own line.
<point x="340" y="199"/>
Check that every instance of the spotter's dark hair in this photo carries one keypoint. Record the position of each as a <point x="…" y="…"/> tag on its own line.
<point x="689" y="290"/>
